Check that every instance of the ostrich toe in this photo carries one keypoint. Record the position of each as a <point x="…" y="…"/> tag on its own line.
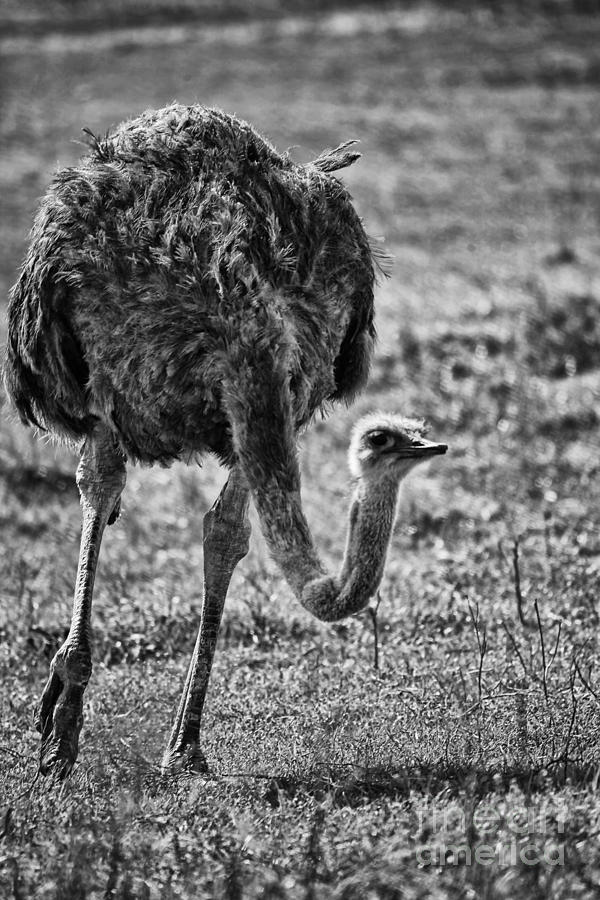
<point x="184" y="759"/>
<point x="59" y="715"/>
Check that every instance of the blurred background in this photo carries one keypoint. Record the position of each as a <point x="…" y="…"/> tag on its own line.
<point x="479" y="131"/>
<point x="479" y="125"/>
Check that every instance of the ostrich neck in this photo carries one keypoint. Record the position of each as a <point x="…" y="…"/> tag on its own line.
<point x="263" y="426"/>
<point x="371" y="520"/>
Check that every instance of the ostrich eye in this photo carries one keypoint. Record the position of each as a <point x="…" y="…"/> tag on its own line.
<point x="380" y="439"/>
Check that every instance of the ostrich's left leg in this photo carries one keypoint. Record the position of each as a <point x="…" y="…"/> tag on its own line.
<point x="226" y="537"/>
<point x="100" y="479"/>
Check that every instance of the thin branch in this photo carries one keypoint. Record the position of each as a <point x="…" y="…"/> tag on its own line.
<point x="517" y="577"/>
<point x="571" y="726"/>
<point x="510" y="636"/>
<point x="585" y="683"/>
<point x="553" y="654"/>
<point x="4" y="749"/>
<point x="541" y="633"/>
<point x="482" y="645"/>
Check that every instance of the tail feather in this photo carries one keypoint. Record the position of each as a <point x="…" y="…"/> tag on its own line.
<point x="338" y="158"/>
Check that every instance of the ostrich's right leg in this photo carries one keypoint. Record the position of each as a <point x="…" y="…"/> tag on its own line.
<point x="100" y="479"/>
<point x="226" y="537"/>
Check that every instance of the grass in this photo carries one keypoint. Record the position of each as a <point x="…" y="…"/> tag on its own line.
<point x="466" y="764"/>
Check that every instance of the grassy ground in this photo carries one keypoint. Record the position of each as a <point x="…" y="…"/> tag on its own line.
<point x="466" y="764"/>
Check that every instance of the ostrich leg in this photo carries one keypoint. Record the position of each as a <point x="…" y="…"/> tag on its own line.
<point x="226" y="536"/>
<point x="100" y="479"/>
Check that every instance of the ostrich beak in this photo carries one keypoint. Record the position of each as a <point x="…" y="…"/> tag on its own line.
<point x="421" y="450"/>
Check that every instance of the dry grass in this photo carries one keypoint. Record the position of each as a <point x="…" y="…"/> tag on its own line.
<point x="466" y="765"/>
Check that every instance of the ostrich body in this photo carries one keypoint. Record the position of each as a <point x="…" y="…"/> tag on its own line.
<point x="187" y="290"/>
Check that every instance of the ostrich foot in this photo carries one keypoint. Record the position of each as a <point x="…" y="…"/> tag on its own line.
<point x="59" y="715"/>
<point x="181" y="759"/>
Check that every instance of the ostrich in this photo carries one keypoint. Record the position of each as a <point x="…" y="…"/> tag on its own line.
<point x="188" y="289"/>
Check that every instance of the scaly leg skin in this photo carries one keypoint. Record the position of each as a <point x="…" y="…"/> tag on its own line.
<point x="100" y="479"/>
<point x="226" y="538"/>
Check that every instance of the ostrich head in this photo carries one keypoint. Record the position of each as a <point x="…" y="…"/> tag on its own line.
<point x="383" y="450"/>
<point x="385" y="445"/>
